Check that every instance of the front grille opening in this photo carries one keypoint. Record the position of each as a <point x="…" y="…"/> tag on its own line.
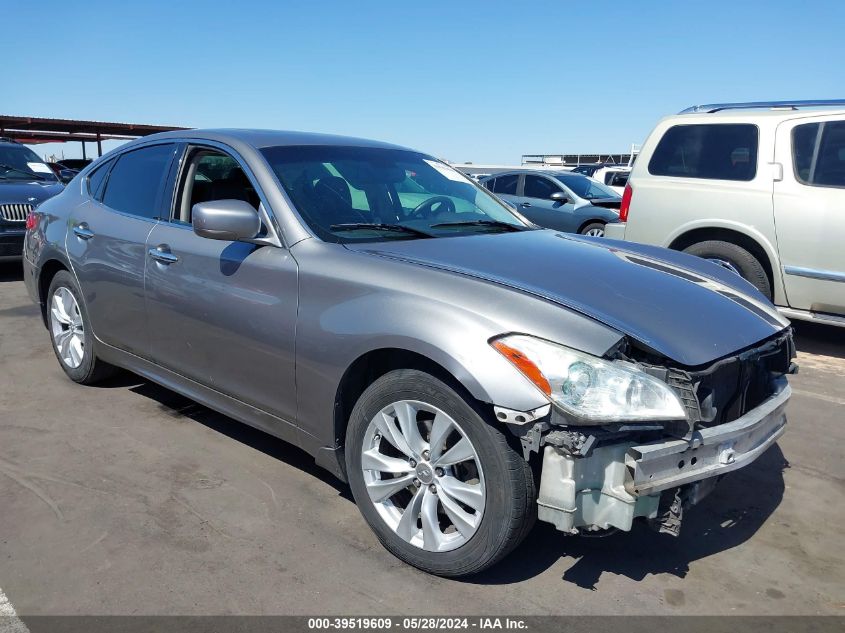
<point x="15" y="212"/>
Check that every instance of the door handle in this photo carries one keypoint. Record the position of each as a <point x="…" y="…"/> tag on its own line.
<point x="82" y="231"/>
<point x="162" y="254"/>
<point x="525" y="204"/>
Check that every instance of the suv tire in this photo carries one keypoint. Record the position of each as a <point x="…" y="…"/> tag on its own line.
<point x="70" y="332"/>
<point x="741" y="260"/>
<point x="498" y="498"/>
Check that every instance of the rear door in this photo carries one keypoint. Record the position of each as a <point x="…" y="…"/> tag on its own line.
<point x="222" y="313"/>
<point x="505" y="186"/>
<point x="107" y="242"/>
<point x="536" y="205"/>
<point x="809" y="203"/>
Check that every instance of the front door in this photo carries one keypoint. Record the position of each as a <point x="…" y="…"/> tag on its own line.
<point x="809" y="207"/>
<point x="536" y="205"/>
<point x="222" y="313"/>
<point x="106" y="243"/>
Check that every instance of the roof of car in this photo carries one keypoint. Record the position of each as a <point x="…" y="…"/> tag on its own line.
<point x="749" y="114"/>
<point x="545" y="172"/>
<point x="271" y="138"/>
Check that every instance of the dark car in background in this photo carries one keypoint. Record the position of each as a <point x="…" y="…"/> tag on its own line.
<point x="558" y="199"/>
<point x="75" y="163"/>
<point x="64" y="174"/>
<point x="25" y="182"/>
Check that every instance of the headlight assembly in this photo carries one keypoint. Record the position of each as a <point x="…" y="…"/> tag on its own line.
<point x="590" y="388"/>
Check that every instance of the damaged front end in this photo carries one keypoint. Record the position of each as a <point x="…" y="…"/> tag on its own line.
<point x="601" y="476"/>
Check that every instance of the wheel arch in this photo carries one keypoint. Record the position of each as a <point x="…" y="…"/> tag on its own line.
<point x="373" y="364"/>
<point x="48" y="271"/>
<point x="586" y="223"/>
<point x="757" y="245"/>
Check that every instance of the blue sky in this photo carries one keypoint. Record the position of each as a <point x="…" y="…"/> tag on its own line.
<point x="480" y="81"/>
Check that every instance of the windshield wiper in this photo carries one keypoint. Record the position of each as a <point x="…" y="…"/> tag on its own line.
<point x="378" y="226"/>
<point x="30" y="174"/>
<point x="493" y="223"/>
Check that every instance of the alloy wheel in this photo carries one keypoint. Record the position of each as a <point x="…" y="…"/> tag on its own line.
<point x="595" y="233"/>
<point x="67" y="327"/>
<point x="423" y="475"/>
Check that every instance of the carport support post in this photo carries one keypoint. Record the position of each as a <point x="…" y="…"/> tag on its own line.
<point x="99" y="145"/>
<point x="83" y="150"/>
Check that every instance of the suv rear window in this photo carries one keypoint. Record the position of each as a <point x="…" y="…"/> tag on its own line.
<point x="818" y="152"/>
<point x="718" y="151"/>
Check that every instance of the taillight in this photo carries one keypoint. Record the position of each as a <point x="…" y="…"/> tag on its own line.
<point x="31" y="221"/>
<point x="626" y="203"/>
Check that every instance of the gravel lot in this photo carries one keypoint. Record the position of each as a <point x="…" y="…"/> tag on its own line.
<point x="129" y="499"/>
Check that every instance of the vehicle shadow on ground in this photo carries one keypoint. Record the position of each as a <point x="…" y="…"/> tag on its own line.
<point x="11" y="271"/>
<point x="815" y="338"/>
<point x="731" y="515"/>
<point x="176" y="405"/>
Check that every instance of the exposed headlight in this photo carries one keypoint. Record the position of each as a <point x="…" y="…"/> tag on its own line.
<point x="590" y="388"/>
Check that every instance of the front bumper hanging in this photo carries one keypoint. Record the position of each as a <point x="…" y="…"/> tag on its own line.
<point x="620" y="482"/>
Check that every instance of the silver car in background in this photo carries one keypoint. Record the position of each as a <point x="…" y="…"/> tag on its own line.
<point x="462" y="369"/>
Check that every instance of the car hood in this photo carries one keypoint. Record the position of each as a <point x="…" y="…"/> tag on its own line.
<point x="27" y="191"/>
<point x="680" y="306"/>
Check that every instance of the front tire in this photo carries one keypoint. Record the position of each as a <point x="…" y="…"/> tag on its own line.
<point x="593" y="229"/>
<point x="441" y="487"/>
<point x="70" y="331"/>
<point x="737" y="259"/>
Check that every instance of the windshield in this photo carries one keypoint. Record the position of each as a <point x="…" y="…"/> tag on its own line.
<point x="586" y="188"/>
<point x="18" y="162"/>
<point x="353" y="194"/>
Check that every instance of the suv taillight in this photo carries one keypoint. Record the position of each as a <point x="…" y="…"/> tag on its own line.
<point x="31" y="221"/>
<point x="626" y="203"/>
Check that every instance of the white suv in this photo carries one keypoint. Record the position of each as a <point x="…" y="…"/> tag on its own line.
<point x="756" y="187"/>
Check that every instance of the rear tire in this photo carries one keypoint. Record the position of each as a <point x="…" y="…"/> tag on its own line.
<point x="70" y="331"/>
<point x="736" y="257"/>
<point x="495" y="485"/>
<point x="593" y="229"/>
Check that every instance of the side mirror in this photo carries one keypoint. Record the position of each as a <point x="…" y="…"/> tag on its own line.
<point x="559" y="196"/>
<point x="66" y="175"/>
<point x="229" y="220"/>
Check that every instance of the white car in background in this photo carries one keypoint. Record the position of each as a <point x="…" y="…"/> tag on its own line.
<point x="613" y="176"/>
<point x="756" y="187"/>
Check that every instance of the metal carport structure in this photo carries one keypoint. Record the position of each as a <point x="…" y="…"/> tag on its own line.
<point x="35" y="130"/>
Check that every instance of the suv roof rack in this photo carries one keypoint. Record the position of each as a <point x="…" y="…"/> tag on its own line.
<point x="717" y="107"/>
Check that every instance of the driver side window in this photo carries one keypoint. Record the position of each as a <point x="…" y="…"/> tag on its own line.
<point x="212" y="175"/>
<point x="539" y="187"/>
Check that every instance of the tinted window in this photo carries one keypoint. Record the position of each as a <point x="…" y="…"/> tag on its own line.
<point x="537" y="187"/>
<point x="96" y="179"/>
<point x="818" y="151"/>
<point x="506" y="184"/>
<point x="134" y="182"/>
<point x="585" y="187"/>
<point x="489" y="183"/>
<point x="719" y="151"/>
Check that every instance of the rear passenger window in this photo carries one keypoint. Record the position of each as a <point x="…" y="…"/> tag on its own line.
<point x="818" y="152"/>
<point x="135" y="181"/>
<point x="718" y="151"/>
<point x="96" y="179"/>
<point x="506" y="184"/>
